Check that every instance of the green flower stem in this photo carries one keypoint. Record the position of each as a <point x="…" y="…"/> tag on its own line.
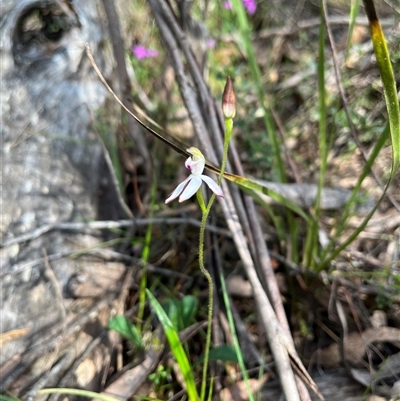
<point x="228" y="134"/>
<point x="200" y="199"/>
<point x="206" y="212"/>
<point x="210" y="295"/>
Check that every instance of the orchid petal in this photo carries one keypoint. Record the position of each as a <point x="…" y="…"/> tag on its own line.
<point x="191" y="188"/>
<point x="178" y="190"/>
<point x="212" y="185"/>
<point x="195" y="166"/>
<point x="188" y="163"/>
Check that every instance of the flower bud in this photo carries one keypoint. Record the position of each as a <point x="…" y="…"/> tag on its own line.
<point x="229" y="100"/>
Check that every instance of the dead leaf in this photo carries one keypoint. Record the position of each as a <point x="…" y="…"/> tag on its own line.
<point x="355" y="346"/>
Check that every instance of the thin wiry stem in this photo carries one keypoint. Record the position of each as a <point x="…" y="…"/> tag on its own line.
<point x="206" y="212"/>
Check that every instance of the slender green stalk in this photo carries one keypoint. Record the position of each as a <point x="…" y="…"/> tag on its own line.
<point x="311" y="247"/>
<point x="206" y="212"/>
<point x="235" y="338"/>
<point x="228" y="134"/>
<point x="146" y="252"/>
<point x="245" y="33"/>
<point x="210" y="295"/>
<point x="355" y="6"/>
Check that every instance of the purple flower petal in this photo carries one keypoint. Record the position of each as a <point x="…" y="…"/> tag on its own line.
<point x="210" y="43"/>
<point x="250" y="6"/>
<point x="212" y="185"/>
<point x="141" y="52"/>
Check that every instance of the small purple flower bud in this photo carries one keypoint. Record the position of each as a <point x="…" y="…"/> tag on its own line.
<point x="229" y="100"/>
<point x="250" y="6"/>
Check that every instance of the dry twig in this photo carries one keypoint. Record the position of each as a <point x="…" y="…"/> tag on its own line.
<point x="203" y="113"/>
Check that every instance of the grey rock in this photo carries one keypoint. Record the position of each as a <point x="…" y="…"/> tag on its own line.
<point x="51" y="156"/>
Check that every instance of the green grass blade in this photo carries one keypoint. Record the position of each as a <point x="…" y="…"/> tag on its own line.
<point x="355" y="6"/>
<point x="176" y="348"/>
<point x="311" y="247"/>
<point x="255" y="186"/>
<point x="245" y="33"/>
<point x="146" y="247"/>
<point x="352" y="200"/>
<point x="393" y="109"/>
<point x="388" y="81"/>
<point x="7" y="398"/>
<point x="236" y="343"/>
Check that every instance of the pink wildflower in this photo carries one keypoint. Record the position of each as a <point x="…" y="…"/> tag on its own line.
<point x="141" y="52"/>
<point x="250" y="6"/>
<point x="191" y="185"/>
<point x="210" y="43"/>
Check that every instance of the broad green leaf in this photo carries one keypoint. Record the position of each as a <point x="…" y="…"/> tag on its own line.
<point x="181" y="312"/>
<point x="224" y="353"/>
<point x="171" y="308"/>
<point x="123" y="326"/>
<point x="176" y="348"/>
<point x="189" y="305"/>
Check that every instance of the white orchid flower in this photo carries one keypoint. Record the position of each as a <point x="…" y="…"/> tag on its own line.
<point x="190" y="186"/>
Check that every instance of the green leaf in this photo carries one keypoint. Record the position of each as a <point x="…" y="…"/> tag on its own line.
<point x="181" y="313"/>
<point x="171" y="308"/>
<point x="176" y="348"/>
<point x="189" y="305"/>
<point x="123" y="326"/>
<point x="388" y="81"/>
<point x="256" y="186"/>
<point x="7" y="398"/>
<point x="224" y="353"/>
<point x="390" y="91"/>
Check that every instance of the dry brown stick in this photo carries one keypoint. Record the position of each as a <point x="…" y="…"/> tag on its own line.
<point x="272" y="285"/>
<point x="353" y="129"/>
<point x="68" y="376"/>
<point x="125" y="85"/>
<point x="263" y="257"/>
<point x="107" y="224"/>
<point x="276" y="336"/>
<point x="55" y="370"/>
<point x="252" y="227"/>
